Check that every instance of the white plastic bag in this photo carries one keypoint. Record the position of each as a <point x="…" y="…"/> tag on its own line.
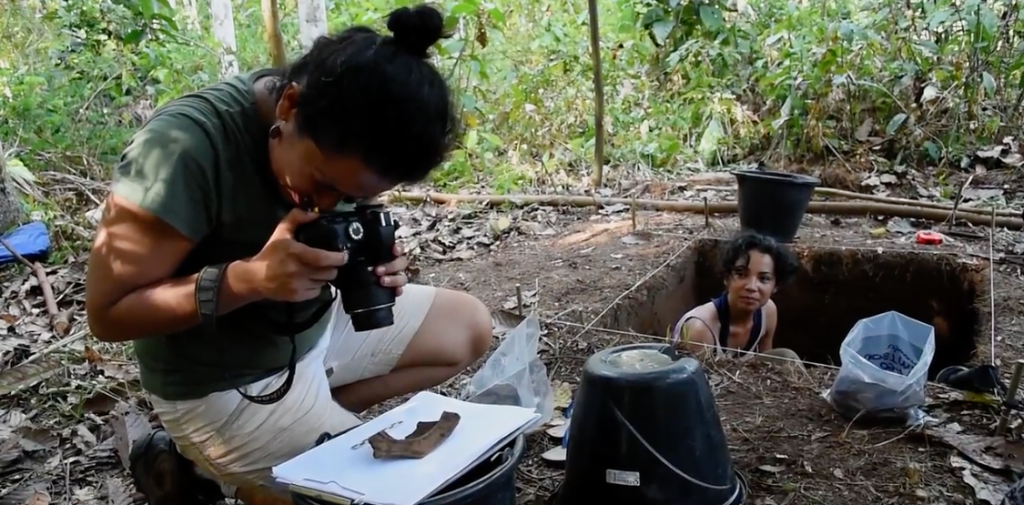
<point x="515" y="375"/>
<point x="885" y="360"/>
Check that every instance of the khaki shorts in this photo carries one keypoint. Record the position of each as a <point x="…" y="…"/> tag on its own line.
<point x="238" y="442"/>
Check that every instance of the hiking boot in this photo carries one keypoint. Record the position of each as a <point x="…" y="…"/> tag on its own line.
<point x="165" y="477"/>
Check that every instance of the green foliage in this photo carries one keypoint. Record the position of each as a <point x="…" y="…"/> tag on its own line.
<point x="686" y="80"/>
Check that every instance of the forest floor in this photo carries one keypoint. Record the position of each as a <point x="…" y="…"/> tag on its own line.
<point x="70" y="403"/>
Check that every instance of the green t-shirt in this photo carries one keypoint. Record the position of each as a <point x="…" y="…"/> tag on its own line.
<point x="201" y="164"/>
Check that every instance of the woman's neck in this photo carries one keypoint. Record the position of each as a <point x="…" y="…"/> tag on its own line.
<point x="739" y="316"/>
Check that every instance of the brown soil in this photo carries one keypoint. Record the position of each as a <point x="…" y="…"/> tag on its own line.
<point x="835" y="288"/>
<point x="784" y="437"/>
<point x="588" y="284"/>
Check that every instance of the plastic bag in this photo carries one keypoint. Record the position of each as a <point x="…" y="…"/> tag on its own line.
<point x="885" y="360"/>
<point x="515" y="375"/>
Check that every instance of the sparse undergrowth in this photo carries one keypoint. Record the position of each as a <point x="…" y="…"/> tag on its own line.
<point x="705" y="81"/>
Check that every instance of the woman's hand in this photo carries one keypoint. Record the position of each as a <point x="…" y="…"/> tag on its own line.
<point x="392" y="274"/>
<point x="290" y="271"/>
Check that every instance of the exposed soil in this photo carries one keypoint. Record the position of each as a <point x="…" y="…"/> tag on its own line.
<point x="836" y="287"/>
<point x="784" y="437"/>
<point x="589" y="283"/>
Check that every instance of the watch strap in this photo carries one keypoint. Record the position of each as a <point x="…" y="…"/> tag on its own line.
<point x="208" y="284"/>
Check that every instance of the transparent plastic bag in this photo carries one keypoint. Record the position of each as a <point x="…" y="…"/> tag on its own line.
<point x="885" y="360"/>
<point x="515" y="375"/>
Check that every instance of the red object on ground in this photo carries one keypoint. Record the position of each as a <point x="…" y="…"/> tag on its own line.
<point x="928" y="238"/>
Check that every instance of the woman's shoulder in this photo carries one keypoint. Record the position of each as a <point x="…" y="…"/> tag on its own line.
<point x="706" y="313"/>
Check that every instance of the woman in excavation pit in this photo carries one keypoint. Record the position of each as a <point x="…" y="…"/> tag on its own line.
<point x="743" y="317"/>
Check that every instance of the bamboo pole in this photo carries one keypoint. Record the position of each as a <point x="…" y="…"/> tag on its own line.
<point x="272" y="27"/>
<point x="838" y="193"/>
<point x="834" y="208"/>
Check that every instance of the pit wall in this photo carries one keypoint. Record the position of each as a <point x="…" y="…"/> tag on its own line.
<point x="834" y="288"/>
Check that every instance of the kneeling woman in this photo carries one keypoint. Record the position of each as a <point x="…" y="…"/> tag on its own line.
<point x="743" y="317"/>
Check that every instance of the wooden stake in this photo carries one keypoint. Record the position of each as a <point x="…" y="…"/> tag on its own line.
<point x="519" y="298"/>
<point x="1011" y="394"/>
<point x="632" y="213"/>
<point x="707" y="214"/>
<point x="595" y="55"/>
<point x="992" y="283"/>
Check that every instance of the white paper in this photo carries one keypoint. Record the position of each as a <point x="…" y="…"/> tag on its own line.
<point x="339" y="468"/>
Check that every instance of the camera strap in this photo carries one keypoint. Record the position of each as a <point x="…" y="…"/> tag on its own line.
<point x="208" y="285"/>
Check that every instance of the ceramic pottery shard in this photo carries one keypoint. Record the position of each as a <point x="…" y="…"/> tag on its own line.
<point x="427" y="437"/>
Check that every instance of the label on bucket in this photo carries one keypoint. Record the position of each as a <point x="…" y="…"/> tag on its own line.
<point x="622" y="477"/>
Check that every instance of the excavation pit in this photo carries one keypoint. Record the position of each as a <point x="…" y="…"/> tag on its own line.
<point x="834" y="288"/>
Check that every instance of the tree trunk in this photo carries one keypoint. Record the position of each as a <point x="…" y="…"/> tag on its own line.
<point x="223" y="21"/>
<point x="191" y="14"/>
<point x="10" y="204"/>
<point x="312" y="22"/>
<point x="271" y="23"/>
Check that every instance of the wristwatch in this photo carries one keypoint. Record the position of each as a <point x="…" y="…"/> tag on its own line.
<point x="208" y="295"/>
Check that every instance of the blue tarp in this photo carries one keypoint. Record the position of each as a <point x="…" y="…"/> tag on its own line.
<point x="31" y="241"/>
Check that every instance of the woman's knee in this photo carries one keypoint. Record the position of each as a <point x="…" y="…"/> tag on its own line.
<point x="478" y="329"/>
<point x="456" y="332"/>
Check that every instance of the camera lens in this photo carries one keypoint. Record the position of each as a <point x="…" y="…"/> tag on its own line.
<point x="372" y="319"/>
<point x="369" y="304"/>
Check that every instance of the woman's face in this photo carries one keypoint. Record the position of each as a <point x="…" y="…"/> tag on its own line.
<point x="306" y="174"/>
<point x="752" y="281"/>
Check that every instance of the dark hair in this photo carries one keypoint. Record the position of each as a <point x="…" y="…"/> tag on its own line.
<point x="737" y="249"/>
<point x="377" y="97"/>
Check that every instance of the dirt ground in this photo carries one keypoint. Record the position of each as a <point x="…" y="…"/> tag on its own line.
<point x="788" y="442"/>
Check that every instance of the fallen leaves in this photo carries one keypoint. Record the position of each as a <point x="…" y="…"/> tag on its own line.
<point x="504" y="321"/>
<point x="26" y="375"/>
<point x="995" y="453"/>
<point x="35" y="493"/>
<point x="988" y="488"/>
<point x="527" y="297"/>
<point x="460" y="233"/>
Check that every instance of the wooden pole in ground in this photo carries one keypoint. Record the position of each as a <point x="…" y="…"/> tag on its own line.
<point x="595" y="55"/>
<point x="834" y="208"/>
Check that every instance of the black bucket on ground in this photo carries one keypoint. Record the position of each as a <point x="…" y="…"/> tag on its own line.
<point x="492" y="482"/>
<point x="645" y="431"/>
<point x="773" y="203"/>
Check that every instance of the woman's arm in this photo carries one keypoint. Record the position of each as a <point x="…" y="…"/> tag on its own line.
<point x="771" y="321"/>
<point x="129" y="290"/>
<point x="698" y="337"/>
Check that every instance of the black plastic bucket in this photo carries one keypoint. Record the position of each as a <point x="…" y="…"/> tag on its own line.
<point x="773" y="203"/>
<point x="492" y="482"/>
<point x="647" y="433"/>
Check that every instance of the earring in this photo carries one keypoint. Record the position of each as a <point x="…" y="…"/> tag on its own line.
<point x="275" y="130"/>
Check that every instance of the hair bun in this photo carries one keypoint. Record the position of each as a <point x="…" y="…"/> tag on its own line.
<point x="416" y="29"/>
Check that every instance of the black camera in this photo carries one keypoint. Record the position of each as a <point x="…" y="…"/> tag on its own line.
<point x="367" y="233"/>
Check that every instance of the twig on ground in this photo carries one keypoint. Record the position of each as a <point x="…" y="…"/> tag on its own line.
<point x="956" y="202"/>
<point x="893" y="439"/>
<point x="44" y="285"/>
<point x="70" y="339"/>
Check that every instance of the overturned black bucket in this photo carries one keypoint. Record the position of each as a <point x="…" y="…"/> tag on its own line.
<point x="773" y="203"/>
<point x="492" y="482"/>
<point x="646" y="431"/>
